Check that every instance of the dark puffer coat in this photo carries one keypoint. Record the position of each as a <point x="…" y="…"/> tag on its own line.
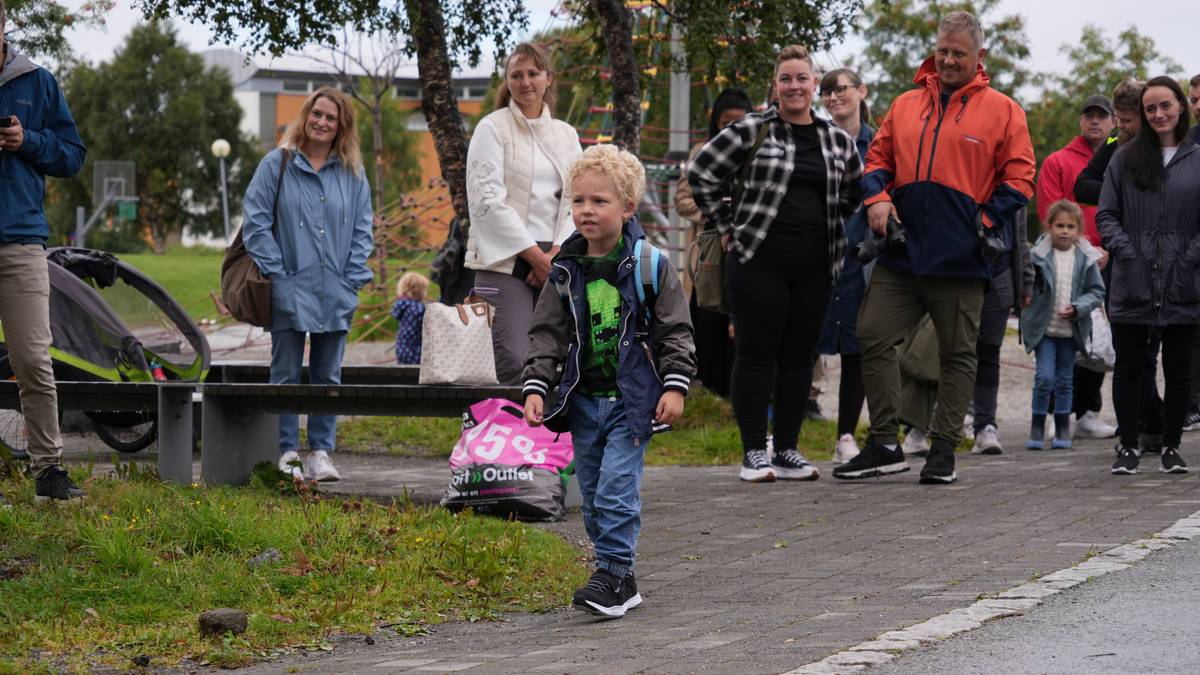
<point x="1154" y="240"/>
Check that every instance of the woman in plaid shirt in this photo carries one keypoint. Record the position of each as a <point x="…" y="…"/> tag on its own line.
<point x="785" y="242"/>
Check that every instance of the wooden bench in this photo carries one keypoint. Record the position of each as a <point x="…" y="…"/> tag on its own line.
<point x="240" y="423"/>
<point x="172" y="401"/>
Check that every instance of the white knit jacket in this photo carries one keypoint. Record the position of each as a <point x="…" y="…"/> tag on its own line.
<point x="499" y="180"/>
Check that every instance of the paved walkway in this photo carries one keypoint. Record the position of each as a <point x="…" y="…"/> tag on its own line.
<point x="765" y="578"/>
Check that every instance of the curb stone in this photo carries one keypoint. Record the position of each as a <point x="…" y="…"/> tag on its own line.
<point x="1009" y="603"/>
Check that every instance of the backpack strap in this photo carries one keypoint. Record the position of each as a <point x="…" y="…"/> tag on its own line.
<point x="743" y="175"/>
<point x="645" y="275"/>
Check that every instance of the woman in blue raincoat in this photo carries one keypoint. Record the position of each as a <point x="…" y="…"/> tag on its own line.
<point x="316" y="258"/>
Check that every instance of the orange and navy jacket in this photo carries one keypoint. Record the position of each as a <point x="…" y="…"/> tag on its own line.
<point x="949" y="169"/>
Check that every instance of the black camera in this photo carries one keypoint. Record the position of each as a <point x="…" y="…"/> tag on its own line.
<point x="874" y="245"/>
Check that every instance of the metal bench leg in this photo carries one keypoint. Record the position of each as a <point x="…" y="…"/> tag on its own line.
<point x="175" y="433"/>
<point x="234" y="441"/>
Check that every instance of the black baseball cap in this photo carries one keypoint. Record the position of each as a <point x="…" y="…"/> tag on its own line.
<point x="1097" y="101"/>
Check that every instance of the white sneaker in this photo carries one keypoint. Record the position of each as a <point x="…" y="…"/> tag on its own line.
<point x="987" y="441"/>
<point x="915" y="443"/>
<point x="845" y="450"/>
<point x="319" y="467"/>
<point x="289" y="463"/>
<point x="1091" y="426"/>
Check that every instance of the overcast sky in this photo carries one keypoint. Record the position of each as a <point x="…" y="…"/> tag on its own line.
<point x="1049" y="24"/>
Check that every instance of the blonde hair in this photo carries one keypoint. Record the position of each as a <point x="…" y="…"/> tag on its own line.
<point x="1070" y="208"/>
<point x="794" y="53"/>
<point x="541" y="60"/>
<point x="620" y="166"/>
<point x="345" y="143"/>
<point x="413" y="285"/>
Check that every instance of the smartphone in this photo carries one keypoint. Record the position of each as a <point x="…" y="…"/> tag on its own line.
<point x="6" y="121"/>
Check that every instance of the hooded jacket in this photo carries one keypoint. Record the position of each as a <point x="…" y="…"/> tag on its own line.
<point x="653" y="356"/>
<point x="1154" y="240"/>
<point x="52" y="147"/>
<point x="1087" y="292"/>
<point x="1057" y="181"/>
<point x="948" y="170"/>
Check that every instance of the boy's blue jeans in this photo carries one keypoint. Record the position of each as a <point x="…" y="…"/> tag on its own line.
<point x="324" y="367"/>
<point x="1055" y="374"/>
<point x="609" y="469"/>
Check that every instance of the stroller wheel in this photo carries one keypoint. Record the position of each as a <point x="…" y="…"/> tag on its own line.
<point x="13" y="434"/>
<point x="131" y="438"/>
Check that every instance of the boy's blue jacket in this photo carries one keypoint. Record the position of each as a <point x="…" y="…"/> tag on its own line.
<point x="1087" y="292"/>
<point x="652" y="357"/>
<point x="51" y="147"/>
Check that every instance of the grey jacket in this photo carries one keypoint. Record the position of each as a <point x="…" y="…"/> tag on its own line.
<point x="1154" y="243"/>
<point x="1087" y="292"/>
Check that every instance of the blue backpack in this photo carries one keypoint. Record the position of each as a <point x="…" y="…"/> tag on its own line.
<point x="645" y="276"/>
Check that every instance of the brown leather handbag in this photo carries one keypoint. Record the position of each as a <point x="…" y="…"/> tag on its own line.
<point x="244" y="290"/>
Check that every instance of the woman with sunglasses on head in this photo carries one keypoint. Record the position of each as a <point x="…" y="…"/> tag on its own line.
<point x="785" y="239"/>
<point x="845" y="98"/>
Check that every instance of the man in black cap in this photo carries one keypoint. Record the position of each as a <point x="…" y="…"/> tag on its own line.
<point x="1057" y="181"/>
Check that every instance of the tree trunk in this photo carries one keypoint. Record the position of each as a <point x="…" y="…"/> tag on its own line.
<point x="438" y="100"/>
<point x="377" y="140"/>
<point x="617" y="23"/>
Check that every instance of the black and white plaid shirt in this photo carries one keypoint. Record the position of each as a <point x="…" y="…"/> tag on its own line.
<point x="720" y="160"/>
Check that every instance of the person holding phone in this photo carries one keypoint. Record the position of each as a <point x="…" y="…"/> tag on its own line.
<point x="519" y="199"/>
<point x="38" y="138"/>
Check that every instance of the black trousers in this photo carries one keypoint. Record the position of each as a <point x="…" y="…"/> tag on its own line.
<point x="1133" y="344"/>
<point x="779" y="300"/>
<point x="714" y="349"/>
<point x="851" y="394"/>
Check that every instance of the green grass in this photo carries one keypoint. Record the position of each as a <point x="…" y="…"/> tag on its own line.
<point x="188" y="274"/>
<point x="127" y="571"/>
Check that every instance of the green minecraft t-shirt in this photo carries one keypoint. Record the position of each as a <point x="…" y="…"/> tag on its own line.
<point x="601" y="353"/>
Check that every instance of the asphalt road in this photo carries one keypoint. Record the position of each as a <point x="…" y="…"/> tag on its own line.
<point x="1140" y="620"/>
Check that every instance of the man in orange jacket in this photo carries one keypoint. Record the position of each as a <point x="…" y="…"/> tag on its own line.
<point x="952" y="163"/>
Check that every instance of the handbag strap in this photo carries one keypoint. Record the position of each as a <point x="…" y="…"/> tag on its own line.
<point x="283" y="162"/>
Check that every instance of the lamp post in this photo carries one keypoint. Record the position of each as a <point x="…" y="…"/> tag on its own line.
<point x="220" y="150"/>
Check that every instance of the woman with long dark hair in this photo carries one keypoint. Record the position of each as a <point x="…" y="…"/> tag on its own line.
<point x="1148" y="222"/>
<point x="845" y="98"/>
<point x="785" y="239"/>
<point x="714" y="348"/>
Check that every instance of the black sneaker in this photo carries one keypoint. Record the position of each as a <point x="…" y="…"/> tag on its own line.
<point x="1150" y="444"/>
<point x="1192" y="423"/>
<point x="791" y="465"/>
<point x="756" y="468"/>
<point x="55" y="485"/>
<point x="939" y="466"/>
<point x="1127" y="460"/>
<point x="1172" y="462"/>
<point x="874" y="460"/>
<point x="606" y="595"/>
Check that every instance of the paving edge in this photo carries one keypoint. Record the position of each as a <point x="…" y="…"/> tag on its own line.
<point x="1012" y="602"/>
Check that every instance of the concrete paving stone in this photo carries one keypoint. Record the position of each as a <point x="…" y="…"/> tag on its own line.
<point x="449" y="666"/>
<point x="886" y="645"/>
<point x="401" y="663"/>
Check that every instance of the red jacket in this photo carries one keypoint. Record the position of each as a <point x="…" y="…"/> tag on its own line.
<point x="1057" y="181"/>
<point x="945" y="169"/>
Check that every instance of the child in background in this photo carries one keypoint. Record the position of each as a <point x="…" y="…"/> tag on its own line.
<point x="409" y="313"/>
<point x="627" y="364"/>
<point x="1067" y="287"/>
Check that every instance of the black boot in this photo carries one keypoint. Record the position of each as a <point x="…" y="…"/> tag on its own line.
<point x="1037" y="433"/>
<point x="1062" y="432"/>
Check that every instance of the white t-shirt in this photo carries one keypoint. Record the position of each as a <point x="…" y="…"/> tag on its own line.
<point x="1169" y="154"/>
<point x="1064" y="277"/>
<point x="545" y="194"/>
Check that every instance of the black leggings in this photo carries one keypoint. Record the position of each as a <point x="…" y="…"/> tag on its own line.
<point x="850" y="394"/>
<point x="779" y="300"/>
<point x="1133" y="343"/>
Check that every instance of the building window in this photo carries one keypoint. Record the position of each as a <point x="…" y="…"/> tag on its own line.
<point x="296" y="86"/>
<point x="473" y="93"/>
<point x="408" y="92"/>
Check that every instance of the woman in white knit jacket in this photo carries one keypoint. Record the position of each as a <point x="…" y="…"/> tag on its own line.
<point x="518" y="193"/>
